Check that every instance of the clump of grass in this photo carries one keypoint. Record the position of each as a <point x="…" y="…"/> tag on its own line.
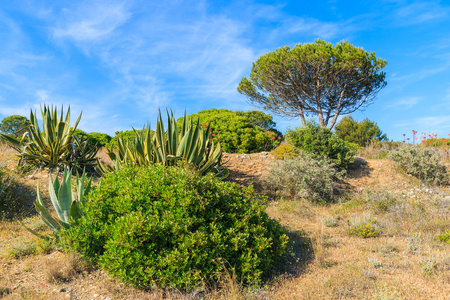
<point x="414" y="243"/>
<point x="21" y="248"/>
<point x="375" y="263"/>
<point x="365" y="227"/>
<point x="445" y="237"/>
<point x="385" y="293"/>
<point x="330" y="221"/>
<point x="434" y="264"/>
<point x="65" y="269"/>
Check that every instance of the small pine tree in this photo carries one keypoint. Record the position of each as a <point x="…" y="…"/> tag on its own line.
<point x="360" y="133"/>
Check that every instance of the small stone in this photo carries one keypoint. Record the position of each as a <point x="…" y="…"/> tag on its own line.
<point x="63" y="290"/>
<point x="96" y="295"/>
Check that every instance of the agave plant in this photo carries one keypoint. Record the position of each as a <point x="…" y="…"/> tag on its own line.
<point x="82" y="156"/>
<point x="193" y="144"/>
<point x="68" y="208"/>
<point x="53" y="146"/>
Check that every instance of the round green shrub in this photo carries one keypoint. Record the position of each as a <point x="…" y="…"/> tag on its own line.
<point x="172" y="228"/>
<point x="95" y="138"/>
<point x="285" y="151"/>
<point x="304" y="177"/>
<point x="320" y="142"/>
<point x="239" y="132"/>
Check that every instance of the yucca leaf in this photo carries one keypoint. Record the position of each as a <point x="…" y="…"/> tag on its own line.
<point x="65" y="197"/>
<point x="53" y="190"/>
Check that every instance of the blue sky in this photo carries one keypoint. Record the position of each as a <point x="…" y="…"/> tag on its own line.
<point x="119" y="61"/>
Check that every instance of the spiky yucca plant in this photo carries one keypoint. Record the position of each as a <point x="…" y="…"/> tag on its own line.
<point x="67" y="208"/>
<point x="53" y="146"/>
<point x="193" y="145"/>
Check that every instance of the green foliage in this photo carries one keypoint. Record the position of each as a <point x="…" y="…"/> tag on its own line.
<point x="315" y="78"/>
<point x="170" y="227"/>
<point x="320" y="142"/>
<point x="305" y="177"/>
<point x="361" y="133"/>
<point x="365" y="227"/>
<point x="69" y="210"/>
<point x="260" y="119"/>
<point x="95" y="138"/>
<point x="54" y="146"/>
<point x="14" y="125"/>
<point x="239" y="132"/>
<point x="128" y="135"/>
<point x="422" y="163"/>
<point x="285" y="151"/>
<point x="5" y="186"/>
<point x="435" y="142"/>
<point x="445" y="237"/>
<point x="192" y="144"/>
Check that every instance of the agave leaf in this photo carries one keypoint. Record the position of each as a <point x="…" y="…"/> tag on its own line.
<point x="75" y="211"/>
<point x="34" y="232"/>
<point x="65" y="195"/>
<point x="53" y="189"/>
<point x="47" y="217"/>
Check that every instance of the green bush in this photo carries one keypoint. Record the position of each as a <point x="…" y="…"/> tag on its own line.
<point x="126" y="135"/>
<point x="239" y="132"/>
<point x="95" y="138"/>
<point x="305" y="177"/>
<point x="445" y="237"/>
<point x="285" y="151"/>
<point x="170" y="227"/>
<point x="365" y="227"/>
<point x="361" y="133"/>
<point x="320" y="142"/>
<point x="422" y="163"/>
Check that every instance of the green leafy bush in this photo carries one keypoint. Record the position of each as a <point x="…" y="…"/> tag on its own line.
<point x="361" y="133"/>
<point x="129" y="135"/>
<point x="422" y="163"/>
<point x="305" y="177"/>
<point x="285" y="151"/>
<point x="95" y="138"/>
<point x="365" y="227"/>
<point x="445" y="237"/>
<point x="239" y="132"/>
<point x="170" y="227"/>
<point x="320" y="142"/>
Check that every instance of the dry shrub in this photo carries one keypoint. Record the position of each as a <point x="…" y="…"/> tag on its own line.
<point x="65" y="268"/>
<point x="422" y="163"/>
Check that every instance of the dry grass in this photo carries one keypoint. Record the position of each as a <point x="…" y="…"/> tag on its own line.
<point x="406" y="261"/>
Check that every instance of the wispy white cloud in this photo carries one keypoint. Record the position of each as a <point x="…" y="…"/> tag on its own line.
<point x="404" y="103"/>
<point x="90" y="21"/>
<point x="420" y="12"/>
